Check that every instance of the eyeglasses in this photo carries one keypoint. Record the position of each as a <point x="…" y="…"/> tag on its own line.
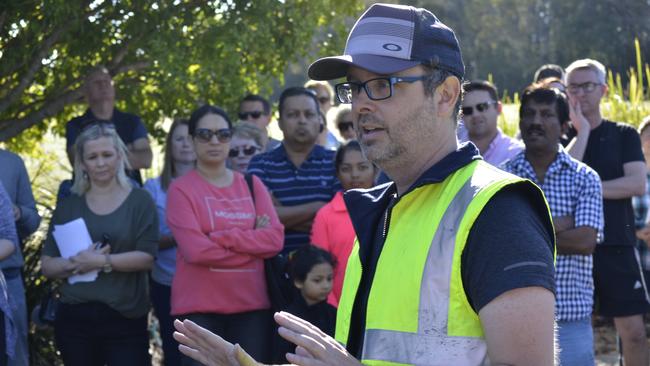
<point x="587" y="87"/>
<point x="344" y="126"/>
<point x="376" y="89"/>
<point x="245" y="115"/>
<point x="205" y="135"/>
<point x="481" y="107"/>
<point x="247" y="150"/>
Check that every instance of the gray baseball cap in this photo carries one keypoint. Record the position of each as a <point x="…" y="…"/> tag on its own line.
<point x="390" y="38"/>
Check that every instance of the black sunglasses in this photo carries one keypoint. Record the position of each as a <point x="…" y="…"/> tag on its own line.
<point x="205" y="134"/>
<point x="344" y="126"/>
<point x="481" y="107"/>
<point x="247" y="150"/>
<point x="245" y="115"/>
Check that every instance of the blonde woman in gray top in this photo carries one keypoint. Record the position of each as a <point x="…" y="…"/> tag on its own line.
<point x="104" y="321"/>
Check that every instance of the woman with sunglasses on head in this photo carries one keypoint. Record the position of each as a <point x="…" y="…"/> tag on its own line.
<point x="344" y="124"/>
<point x="179" y="159"/>
<point x="223" y="232"/>
<point x="247" y="141"/>
<point x="332" y="229"/>
<point x="102" y="318"/>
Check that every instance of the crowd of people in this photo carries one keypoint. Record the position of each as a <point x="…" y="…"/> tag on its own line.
<point x="458" y="244"/>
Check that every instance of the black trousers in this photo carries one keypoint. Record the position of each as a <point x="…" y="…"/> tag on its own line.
<point x="250" y="329"/>
<point x="93" y="334"/>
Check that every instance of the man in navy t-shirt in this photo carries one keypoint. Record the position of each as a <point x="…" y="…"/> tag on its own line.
<point x="613" y="150"/>
<point x="100" y="96"/>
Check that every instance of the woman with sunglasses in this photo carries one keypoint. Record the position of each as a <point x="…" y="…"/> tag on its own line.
<point x="223" y="234"/>
<point x="102" y="318"/>
<point x="247" y="141"/>
<point x="179" y="159"/>
<point x="343" y="122"/>
<point x="332" y="229"/>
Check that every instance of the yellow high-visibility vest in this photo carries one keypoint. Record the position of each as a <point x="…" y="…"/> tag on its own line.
<point x="418" y="313"/>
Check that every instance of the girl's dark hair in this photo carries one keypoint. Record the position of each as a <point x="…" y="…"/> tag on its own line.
<point x="304" y="259"/>
<point x="342" y="150"/>
<point x="202" y="111"/>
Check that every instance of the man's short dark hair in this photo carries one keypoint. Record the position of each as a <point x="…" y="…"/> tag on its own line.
<point x="548" y="71"/>
<point x="257" y="98"/>
<point x="295" y="91"/>
<point x="542" y="94"/>
<point x="484" y="85"/>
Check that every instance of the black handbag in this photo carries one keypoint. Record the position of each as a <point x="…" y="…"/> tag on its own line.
<point x="278" y="282"/>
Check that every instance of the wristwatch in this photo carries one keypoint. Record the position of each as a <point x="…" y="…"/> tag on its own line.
<point x="107" y="267"/>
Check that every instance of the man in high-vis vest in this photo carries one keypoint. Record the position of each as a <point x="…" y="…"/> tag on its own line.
<point x="453" y="262"/>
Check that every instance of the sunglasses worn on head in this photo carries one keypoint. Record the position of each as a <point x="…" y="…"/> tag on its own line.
<point x="254" y="114"/>
<point x="205" y="135"/>
<point x="247" y="150"/>
<point x="344" y="126"/>
<point x="481" y="107"/>
<point x="101" y="123"/>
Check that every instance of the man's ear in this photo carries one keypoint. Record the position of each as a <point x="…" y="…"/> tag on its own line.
<point x="499" y="107"/>
<point x="446" y="96"/>
<point x="564" y="127"/>
<point x="298" y="284"/>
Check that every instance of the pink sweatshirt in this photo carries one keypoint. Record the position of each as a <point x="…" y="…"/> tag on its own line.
<point x="219" y="262"/>
<point x="332" y="230"/>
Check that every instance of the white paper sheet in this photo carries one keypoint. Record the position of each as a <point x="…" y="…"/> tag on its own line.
<point x="71" y="238"/>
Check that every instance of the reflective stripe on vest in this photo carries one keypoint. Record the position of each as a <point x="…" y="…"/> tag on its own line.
<point x="417" y="310"/>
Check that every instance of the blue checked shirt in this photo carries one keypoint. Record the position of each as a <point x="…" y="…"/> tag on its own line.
<point x="641" y="204"/>
<point x="571" y="189"/>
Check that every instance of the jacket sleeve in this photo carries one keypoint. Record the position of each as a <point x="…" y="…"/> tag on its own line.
<point x="264" y="242"/>
<point x="195" y="246"/>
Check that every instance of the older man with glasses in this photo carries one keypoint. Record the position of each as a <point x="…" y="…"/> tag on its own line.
<point x="481" y="109"/>
<point x="613" y="150"/>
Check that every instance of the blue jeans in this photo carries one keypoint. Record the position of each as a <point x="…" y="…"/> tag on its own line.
<point x="576" y="341"/>
<point x="16" y="292"/>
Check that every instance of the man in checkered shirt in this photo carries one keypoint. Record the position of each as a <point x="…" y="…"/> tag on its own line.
<point x="574" y="194"/>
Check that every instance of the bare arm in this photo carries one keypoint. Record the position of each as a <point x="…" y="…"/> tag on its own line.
<point x="7" y="248"/>
<point x="579" y="240"/>
<point x="140" y="154"/>
<point x="519" y="327"/>
<point x="632" y="183"/>
<point x="295" y="217"/>
<point x="57" y="267"/>
<point x="133" y="261"/>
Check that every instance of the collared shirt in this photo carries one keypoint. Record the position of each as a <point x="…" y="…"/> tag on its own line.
<point x="641" y="204"/>
<point x="502" y="148"/>
<point x="314" y="180"/>
<point x="572" y="189"/>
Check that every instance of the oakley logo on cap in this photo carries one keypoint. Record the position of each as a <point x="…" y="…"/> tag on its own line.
<point x="392" y="47"/>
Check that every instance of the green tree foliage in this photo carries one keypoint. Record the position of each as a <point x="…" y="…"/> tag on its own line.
<point x="166" y="57"/>
<point x="511" y="38"/>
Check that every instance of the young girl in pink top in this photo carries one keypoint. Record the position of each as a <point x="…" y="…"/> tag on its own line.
<point x="223" y="237"/>
<point x="332" y="229"/>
